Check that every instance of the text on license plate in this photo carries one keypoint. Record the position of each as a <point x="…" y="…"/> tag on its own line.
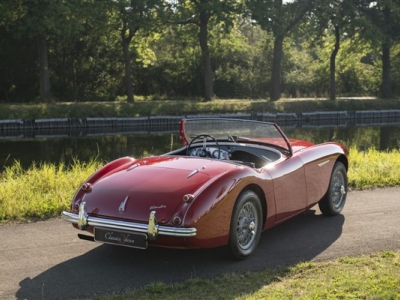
<point x="121" y="238"/>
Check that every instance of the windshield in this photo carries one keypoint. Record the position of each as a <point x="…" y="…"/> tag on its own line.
<point x="235" y="130"/>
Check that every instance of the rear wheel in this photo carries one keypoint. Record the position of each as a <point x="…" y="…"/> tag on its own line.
<point x="246" y="225"/>
<point x="335" y="198"/>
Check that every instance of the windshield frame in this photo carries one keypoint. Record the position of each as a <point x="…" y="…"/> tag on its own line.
<point x="227" y="129"/>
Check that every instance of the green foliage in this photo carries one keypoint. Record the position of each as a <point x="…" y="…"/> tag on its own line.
<point x="40" y="192"/>
<point x="176" y="68"/>
<point x="188" y="12"/>
<point x="358" y="68"/>
<point x="86" y="62"/>
<point x="372" y="168"/>
<point x="278" y="17"/>
<point x="240" y="60"/>
<point x="395" y="70"/>
<point x="380" y="21"/>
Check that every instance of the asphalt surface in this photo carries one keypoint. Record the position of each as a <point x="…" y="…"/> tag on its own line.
<point x="46" y="260"/>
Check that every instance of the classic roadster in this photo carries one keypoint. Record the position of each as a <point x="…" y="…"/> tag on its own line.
<point x="231" y="180"/>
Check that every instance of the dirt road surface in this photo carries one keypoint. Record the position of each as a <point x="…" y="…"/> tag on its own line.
<point x="46" y="260"/>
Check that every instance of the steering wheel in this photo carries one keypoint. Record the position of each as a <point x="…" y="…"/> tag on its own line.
<point x="204" y="152"/>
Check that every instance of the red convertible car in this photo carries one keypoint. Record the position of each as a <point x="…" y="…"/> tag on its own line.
<point x="231" y="180"/>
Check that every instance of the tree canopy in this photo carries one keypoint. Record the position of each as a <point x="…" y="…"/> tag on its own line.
<point x="93" y="50"/>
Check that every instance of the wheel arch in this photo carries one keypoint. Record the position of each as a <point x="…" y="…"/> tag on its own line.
<point x="329" y="204"/>
<point x="261" y="195"/>
<point x="344" y="160"/>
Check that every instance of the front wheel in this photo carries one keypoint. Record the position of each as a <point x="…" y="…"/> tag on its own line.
<point x="335" y="198"/>
<point x="246" y="225"/>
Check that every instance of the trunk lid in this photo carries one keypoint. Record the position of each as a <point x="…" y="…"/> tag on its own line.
<point x="152" y="184"/>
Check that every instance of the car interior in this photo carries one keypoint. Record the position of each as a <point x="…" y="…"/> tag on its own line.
<point x="246" y="154"/>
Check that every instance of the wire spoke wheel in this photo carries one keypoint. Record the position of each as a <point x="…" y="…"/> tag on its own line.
<point x="338" y="191"/>
<point x="333" y="202"/>
<point x="246" y="225"/>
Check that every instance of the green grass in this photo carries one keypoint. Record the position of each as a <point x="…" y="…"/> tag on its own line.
<point x="42" y="191"/>
<point x="183" y="107"/>
<point x="368" y="277"/>
<point x="374" y="169"/>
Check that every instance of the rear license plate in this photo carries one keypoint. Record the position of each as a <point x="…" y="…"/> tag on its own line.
<point x="121" y="238"/>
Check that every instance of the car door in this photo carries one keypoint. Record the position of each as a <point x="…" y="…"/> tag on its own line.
<point x="289" y="187"/>
<point x="318" y="164"/>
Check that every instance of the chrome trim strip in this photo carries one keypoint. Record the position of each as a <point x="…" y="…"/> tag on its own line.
<point x="323" y="163"/>
<point x="192" y="173"/>
<point x="132" y="167"/>
<point x="129" y="226"/>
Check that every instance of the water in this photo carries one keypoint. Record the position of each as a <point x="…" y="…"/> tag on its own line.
<point x="109" y="146"/>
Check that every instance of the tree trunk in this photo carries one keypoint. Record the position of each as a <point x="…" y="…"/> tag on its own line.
<point x="385" y="134"/>
<point x="279" y="35"/>
<point x="44" y="77"/>
<point x="205" y="53"/>
<point x="128" y="68"/>
<point x="386" y="82"/>
<point x="276" y="68"/>
<point x="333" y="64"/>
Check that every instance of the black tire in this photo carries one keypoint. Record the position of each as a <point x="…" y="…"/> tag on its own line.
<point x="246" y="225"/>
<point x="335" y="198"/>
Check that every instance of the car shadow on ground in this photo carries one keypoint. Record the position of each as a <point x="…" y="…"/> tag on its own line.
<point x="110" y="269"/>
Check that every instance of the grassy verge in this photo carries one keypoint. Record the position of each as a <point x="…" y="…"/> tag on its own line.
<point x="183" y="107"/>
<point x="373" y="169"/>
<point x="40" y="192"/>
<point x="44" y="190"/>
<point x="374" y="276"/>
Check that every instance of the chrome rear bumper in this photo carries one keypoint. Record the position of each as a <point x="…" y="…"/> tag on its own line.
<point x="152" y="229"/>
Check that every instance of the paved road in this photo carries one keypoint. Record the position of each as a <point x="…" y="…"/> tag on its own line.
<point x="45" y="260"/>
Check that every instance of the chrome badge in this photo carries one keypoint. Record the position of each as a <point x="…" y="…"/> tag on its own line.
<point x="153" y="207"/>
<point x="123" y="204"/>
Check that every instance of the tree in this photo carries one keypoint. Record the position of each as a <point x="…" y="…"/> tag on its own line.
<point x="241" y="60"/>
<point x="39" y="19"/>
<point x="135" y="15"/>
<point x="87" y="65"/>
<point x="33" y="20"/>
<point x="42" y="20"/>
<point x="200" y="13"/>
<point x="338" y="15"/>
<point x="380" y="24"/>
<point x="279" y="18"/>
<point x="18" y="56"/>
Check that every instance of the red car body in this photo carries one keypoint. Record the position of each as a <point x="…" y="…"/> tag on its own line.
<point x="188" y="198"/>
